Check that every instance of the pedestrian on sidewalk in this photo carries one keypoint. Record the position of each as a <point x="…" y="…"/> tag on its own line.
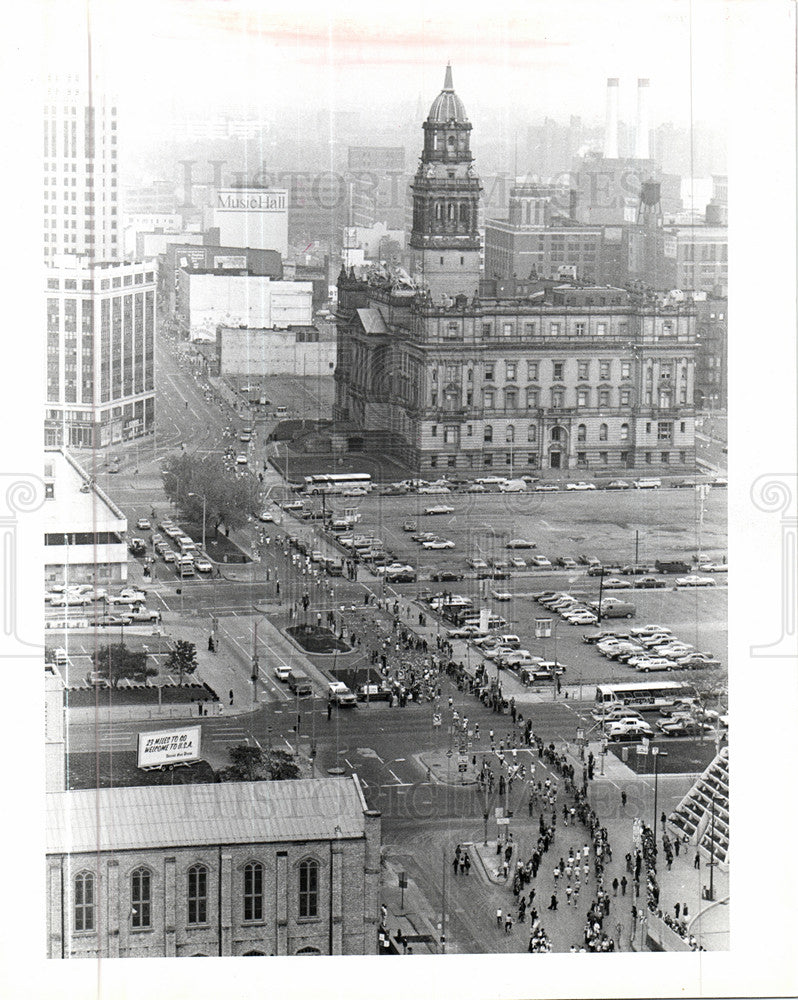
<point x="624" y="884"/>
<point x="455" y="864"/>
<point x="553" y="904"/>
<point x="676" y="909"/>
<point x="211" y="646"/>
<point x="615" y="884"/>
<point x="508" y="923"/>
<point x="329" y="709"/>
<point x="499" y="919"/>
<point x="231" y="697"/>
<point x="467" y="863"/>
<point x="697" y="860"/>
<point x="623" y="800"/>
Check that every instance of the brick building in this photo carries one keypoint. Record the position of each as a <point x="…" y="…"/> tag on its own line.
<point x="240" y="868"/>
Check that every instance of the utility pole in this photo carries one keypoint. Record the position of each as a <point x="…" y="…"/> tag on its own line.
<point x="443" y="903"/>
<point x="637" y="542"/>
<point x="601" y="592"/>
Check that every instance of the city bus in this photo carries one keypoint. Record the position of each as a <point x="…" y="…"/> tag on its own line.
<point x="337" y="483"/>
<point x="646" y="696"/>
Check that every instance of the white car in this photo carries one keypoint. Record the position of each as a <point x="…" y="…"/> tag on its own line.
<point x="439" y="543"/>
<point x="581" y="618"/>
<point x="439" y="509"/>
<point x="519" y="543"/>
<point x="644" y="630"/>
<point x="143" y="524"/>
<point x="478" y="564"/>
<point x="203" y="564"/>
<point x="434" y="490"/>
<point x="654" y="663"/>
<point x="649" y="483"/>
<point x="466" y="632"/>
<point x="629" y="726"/>
<point x="266" y="516"/>
<point x="128" y="596"/>
<point x="712" y="567"/>
<point x="580" y="486"/>
<point x="355" y="491"/>
<point x="547" y="488"/>
<point x="242" y="460"/>
<point x="517" y="563"/>
<point x="70" y="600"/>
<point x="694" y="581"/>
<point x="501" y="595"/>
<point x="541" y="562"/>
<point x="281" y="672"/>
<point x="168" y="555"/>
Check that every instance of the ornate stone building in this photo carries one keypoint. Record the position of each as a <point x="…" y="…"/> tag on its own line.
<point x="441" y="372"/>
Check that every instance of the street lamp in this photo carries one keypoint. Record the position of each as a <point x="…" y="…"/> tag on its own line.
<point x="199" y="496"/>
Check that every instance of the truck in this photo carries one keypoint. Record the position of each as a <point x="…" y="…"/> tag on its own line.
<point x="185" y="566"/>
<point x="339" y="693"/>
<point x="671" y="566"/>
<point x="299" y="683"/>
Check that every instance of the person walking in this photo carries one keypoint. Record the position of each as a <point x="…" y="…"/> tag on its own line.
<point x="697" y="860"/>
<point x="553" y="904"/>
<point x="467" y="864"/>
<point x="499" y="918"/>
<point x="624" y="884"/>
<point x="676" y="908"/>
<point x="508" y="923"/>
<point x="615" y="884"/>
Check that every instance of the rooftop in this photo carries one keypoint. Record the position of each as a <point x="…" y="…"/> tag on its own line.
<point x="72" y="508"/>
<point x="143" y="817"/>
<point x="447" y="106"/>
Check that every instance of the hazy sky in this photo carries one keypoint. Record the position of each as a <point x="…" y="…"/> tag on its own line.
<point x="539" y="57"/>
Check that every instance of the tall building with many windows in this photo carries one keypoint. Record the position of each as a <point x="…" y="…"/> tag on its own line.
<point x="81" y="193"/>
<point x="100" y="352"/>
<point x="541" y="374"/>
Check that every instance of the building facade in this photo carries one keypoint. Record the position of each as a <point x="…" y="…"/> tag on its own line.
<point x="80" y="171"/>
<point x="84" y="530"/>
<point x="240" y="868"/>
<point x="298" y="351"/>
<point x="252" y="217"/>
<point x="712" y="352"/>
<point x="550" y="375"/>
<point x="100" y="352"/>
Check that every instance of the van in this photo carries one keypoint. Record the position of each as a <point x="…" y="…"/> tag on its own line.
<point x="186" y="544"/>
<point x="512" y="486"/>
<point x="614" y="609"/>
<point x="510" y="640"/>
<point x="184" y="566"/>
<point x="61" y="658"/>
<point x="299" y="683"/>
<point x="281" y="411"/>
<point x="671" y="566"/>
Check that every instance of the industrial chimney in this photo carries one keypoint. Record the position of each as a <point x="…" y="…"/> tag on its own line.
<point x="611" y="125"/>
<point x="641" y="134"/>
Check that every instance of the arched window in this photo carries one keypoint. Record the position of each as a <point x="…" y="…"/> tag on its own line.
<point x="464" y="213"/>
<point x="309" y="889"/>
<point x="450" y="211"/>
<point x="624" y="432"/>
<point x="84" y="902"/>
<point x="528" y="211"/>
<point x="556" y="433"/>
<point x="252" y="954"/>
<point x="308" y="951"/>
<point x="509" y="434"/>
<point x="141" y="898"/>
<point x="488" y="432"/>
<point x="450" y="142"/>
<point x="532" y="433"/>
<point x="581" y="433"/>
<point x="197" y="894"/>
<point x="438" y="211"/>
<point x="253" y="891"/>
<point x="603" y="432"/>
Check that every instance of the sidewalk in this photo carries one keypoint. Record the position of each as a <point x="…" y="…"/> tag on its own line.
<point x="412" y="918"/>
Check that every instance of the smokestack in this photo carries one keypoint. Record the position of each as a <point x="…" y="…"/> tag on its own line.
<point x="641" y="134"/>
<point x="611" y="125"/>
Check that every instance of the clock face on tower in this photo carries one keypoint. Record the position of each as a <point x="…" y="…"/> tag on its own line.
<point x="445" y="241"/>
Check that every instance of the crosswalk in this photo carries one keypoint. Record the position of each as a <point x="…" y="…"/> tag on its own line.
<point x="227" y="732"/>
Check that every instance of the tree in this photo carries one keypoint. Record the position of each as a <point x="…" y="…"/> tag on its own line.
<point x="230" y="498"/>
<point x="183" y="658"/>
<point x="254" y="764"/>
<point x="117" y="661"/>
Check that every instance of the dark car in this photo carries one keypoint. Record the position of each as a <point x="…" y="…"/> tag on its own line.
<point x="137" y="547"/>
<point x="373" y="692"/>
<point x="651" y="581"/>
<point x="446" y="576"/>
<point x="637" y="570"/>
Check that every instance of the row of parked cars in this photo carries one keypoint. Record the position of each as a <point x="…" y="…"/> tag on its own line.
<point x="621" y="723"/>
<point x="129" y="605"/>
<point x="527" y="483"/>
<point x="650" y="648"/>
<point x="579" y="611"/>
<point x="186" y="557"/>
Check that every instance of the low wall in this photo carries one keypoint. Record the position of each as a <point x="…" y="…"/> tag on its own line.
<point x="120" y="713"/>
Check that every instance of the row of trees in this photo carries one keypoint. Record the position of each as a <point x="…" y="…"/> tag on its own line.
<point x="118" y="661"/>
<point x="230" y="499"/>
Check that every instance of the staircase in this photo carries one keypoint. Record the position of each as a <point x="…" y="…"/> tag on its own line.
<point x="694" y="814"/>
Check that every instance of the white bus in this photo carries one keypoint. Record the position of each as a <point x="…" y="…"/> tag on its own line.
<point x="645" y="697"/>
<point x="338" y="483"/>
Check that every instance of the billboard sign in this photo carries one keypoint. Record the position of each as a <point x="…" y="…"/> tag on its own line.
<point x="169" y="746"/>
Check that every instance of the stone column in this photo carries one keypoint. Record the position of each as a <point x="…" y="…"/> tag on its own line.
<point x="281" y="903"/>
<point x="55" y="909"/>
<point x="337" y="897"/>
<point x="371" y="888"/>
<point x="112" y="904"/>
<point x="169" y="906"/>
<point x="226" y="905"/>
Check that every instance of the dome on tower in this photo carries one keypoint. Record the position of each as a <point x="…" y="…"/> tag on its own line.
<point x="447" y="106"/>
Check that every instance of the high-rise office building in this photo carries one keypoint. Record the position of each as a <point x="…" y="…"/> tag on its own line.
<point x="81" y="191"/>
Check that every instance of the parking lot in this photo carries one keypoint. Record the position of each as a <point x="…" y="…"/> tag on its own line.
<point x="612" y="527"/>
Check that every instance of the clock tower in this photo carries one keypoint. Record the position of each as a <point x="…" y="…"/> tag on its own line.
<point x="445" y="242"/>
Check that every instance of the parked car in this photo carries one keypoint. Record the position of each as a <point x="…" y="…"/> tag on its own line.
<point x="580" y="486"/>
<point x="111" y="621"/>
<point x="694" y="581"/>
<point x="517" y="563"/>
<point x="697" y="661"/>
<point x="595" y="569"/>
<point x="581" y="618"/>
<point x="540" y="561"/>
<point x="628" y="727"/>
<point x="712" y="567"/>
<point x="501" y="595"/>
<point x="650" y="583"/>
<point x="615" y="583"/>
<point x="439" y="509"/>
<point x="409" y="526"/>
<point x="202" y="564"/>
<point x="143" y="524"/>
<point x="520" y="543"/>
<point x="141" y="614"/>
<point x="617" y="484"/>
<point x="636" y="570"/>
<point x="70" y="599"/>
<point x="655" y="663"/>
<point x="439" y="543"/>
<point x="137" y="547"/>
<point x="643" y="630"/>
<point x="648" y="483"/>
<point x="446" y="576"/>
<point x="566" y="562"/>
<point x="266" y="516"/>
<point x="547" y="488"/>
